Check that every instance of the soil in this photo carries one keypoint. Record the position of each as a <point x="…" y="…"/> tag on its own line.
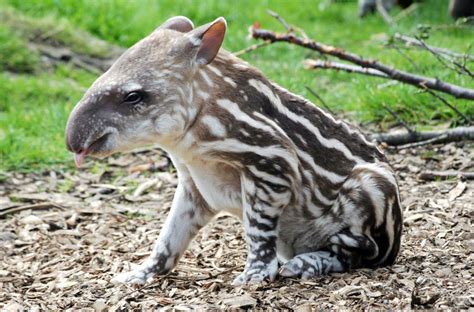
<point x="65" y="233"/>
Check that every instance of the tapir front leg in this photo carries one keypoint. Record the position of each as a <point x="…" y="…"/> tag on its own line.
<point x="188" y="214"/>
<point x="263" y="203"/>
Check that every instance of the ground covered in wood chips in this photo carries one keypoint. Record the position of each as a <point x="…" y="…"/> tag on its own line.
<point x="65" y="234"/>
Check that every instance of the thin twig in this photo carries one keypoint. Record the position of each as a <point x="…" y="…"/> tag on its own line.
<point x="414" y="42"/>
<point x="442" y="59"/>
<point x="419" y="81"/>
<point x="398" y="118"/>
<point x="454" y="108"/>
<point x="463" y="68"/>
<point x="320" y="99"/>
<point x="281" y="20"/>
<point x="289" y="28"/>
<point x="39" y="206"/>
<point x="405" y="56"/>
<point x="253" y="47"/>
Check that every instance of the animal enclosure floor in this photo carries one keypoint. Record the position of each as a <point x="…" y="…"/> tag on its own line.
<point x="65" y="234"/>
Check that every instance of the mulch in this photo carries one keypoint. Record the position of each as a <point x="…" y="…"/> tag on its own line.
<point x="65" y="233"/>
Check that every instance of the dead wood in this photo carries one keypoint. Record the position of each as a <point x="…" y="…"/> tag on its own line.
<point x="418" y="81"/>
<point x="402" y="138"/>
<point x="444" y="175"/>
<point x="434" y="140"/>
<point x="320" y="64"/>
<point x="39" y="206"/>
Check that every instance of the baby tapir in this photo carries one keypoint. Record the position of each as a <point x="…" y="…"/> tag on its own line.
<point x="314" y="194"/>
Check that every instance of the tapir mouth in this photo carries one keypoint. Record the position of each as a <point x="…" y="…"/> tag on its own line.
<point x="96" y="147"/>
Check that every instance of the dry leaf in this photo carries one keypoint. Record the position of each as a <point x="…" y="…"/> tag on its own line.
<point x="457" y="191"/>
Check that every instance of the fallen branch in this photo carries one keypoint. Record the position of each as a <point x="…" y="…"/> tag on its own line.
<point x="423" y="143"/>
<point x="444" y="175"/>
<point x="418" y="81"/>
<point x="39" y="206"/>
<point x="402" y="138"/>
<point x="319" y="64"/>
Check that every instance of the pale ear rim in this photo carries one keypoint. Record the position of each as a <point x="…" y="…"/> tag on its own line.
<point x="178" y="23"/>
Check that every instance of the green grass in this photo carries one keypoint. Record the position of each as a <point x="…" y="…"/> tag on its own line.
<point x="53" y="30"/>
<point x="35" y="107"/>
<point x="33" y="112"/>
<point x="14" y="54"/>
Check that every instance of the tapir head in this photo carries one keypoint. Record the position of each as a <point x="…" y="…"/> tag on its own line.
<point x="146" y="97"/>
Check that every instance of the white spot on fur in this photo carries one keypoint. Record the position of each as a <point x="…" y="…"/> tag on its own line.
<point x="230" y="81"/>
<point x="215" y="70"/>
<point x="206" y="78"/>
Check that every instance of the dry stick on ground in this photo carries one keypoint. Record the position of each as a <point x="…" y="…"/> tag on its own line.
<point x="12" y="210"/>
<point x="434" y="175"/>
<point x="419" y="81"/>
<point x="422" y="143"/>
<point x="402" y="138"/>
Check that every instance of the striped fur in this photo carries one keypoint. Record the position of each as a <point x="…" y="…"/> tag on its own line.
<point x="311" y="190"/>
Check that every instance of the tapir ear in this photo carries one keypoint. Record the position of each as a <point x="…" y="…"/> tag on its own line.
<point x="178" y="23"/>
<point x="208" y="38"/>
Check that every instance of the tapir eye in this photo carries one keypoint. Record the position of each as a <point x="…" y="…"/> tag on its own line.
<point x="133" y="97"/>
